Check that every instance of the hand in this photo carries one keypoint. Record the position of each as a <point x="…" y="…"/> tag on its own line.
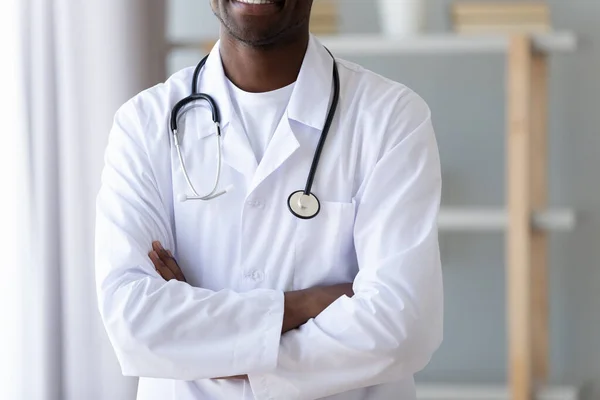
<point x="165" y="263"/>
<point x="323" y="297"/>
<point x="302" y="305"/>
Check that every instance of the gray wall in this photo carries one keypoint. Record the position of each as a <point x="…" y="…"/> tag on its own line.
<point x="466" y="95"/>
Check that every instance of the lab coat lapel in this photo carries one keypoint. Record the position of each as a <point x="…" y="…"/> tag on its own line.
<point x="314" y="88"/>
<point x="237" y="151"/>
<point x="308" y="106"/>
<point x="281" y="147"/>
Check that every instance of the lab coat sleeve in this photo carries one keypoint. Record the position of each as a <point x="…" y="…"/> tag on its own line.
<point x="164" y="329"/>
<point x="392" y="326"/>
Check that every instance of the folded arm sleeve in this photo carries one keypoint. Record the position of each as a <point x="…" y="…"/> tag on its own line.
<point x="167" y="329"/>
<point x="392" y="326"/>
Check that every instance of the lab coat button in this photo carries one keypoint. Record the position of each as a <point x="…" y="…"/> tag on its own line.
<point x="256" y="204"/>
<point x="257" y="276"/>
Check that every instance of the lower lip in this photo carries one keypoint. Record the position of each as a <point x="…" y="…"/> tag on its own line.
<point x="257" y="9"/>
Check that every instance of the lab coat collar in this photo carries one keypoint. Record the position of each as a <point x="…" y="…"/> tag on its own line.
<point x="310" y="100"/>
<point x="237" y="151"/>
<point x="309" y="105"/>
<point x="312" y="94"/>
<point x="214" y="83"/>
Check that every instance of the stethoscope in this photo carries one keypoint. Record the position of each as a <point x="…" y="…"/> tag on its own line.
<point x="303" y="203"/>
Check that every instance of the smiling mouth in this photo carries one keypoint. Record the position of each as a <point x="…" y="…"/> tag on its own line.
<point x="258" y="2"/>
<point x="258" y="7"/>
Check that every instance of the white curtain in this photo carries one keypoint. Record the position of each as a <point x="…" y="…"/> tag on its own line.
<point x="13" y="203"/>
<point x="74" y="63"/>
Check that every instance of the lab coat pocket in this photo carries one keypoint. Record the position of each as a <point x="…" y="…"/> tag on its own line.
<point x="324" y="250"/>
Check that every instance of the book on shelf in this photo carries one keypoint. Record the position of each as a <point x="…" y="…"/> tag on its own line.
<point x="500" y="8"/>
<point x="501" y="17"/>
<point x="502" y="29"/>
<point x="324" y="17"/>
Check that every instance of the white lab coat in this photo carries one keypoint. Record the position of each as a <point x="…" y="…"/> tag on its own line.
<point x="379" y="186"/>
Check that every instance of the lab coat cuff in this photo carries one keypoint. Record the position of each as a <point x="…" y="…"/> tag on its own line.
<point x="274" y="384"/>
<point x="262" y="353"/>
<point x="273" y="387"/>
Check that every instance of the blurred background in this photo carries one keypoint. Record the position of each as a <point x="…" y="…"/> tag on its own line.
<point x="68" y="65"/>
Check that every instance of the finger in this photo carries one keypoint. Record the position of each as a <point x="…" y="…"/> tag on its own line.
<point x="162" y="252"/>
<point x="161" y="268"/>
<point x="157" y="246"/>
<point x="176" y="270"/>
<point x="156" y="261"/>
<point x="167" y="258"/>
<point x="171" y="263"/>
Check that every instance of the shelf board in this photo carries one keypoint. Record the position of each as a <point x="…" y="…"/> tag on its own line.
<point x="375" y="44"/>
<point x="496" y="220"/>
<point x="443" y="43"/>
<point x="490" y="392"/>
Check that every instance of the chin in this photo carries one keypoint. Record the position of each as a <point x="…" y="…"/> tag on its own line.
<point x="263" y="22"/>
<point x="256" y="40"/>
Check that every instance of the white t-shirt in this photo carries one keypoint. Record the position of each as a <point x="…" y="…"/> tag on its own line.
<point x="260" y="114"/>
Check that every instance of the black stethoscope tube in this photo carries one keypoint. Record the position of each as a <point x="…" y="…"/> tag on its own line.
<point x="303" y="204"/>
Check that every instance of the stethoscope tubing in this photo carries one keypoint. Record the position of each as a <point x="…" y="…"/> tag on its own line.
<point x="328" y="122"/>
<point x="303" y="204"/>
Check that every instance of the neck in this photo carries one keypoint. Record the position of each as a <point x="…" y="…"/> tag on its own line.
<point x="262" y="69"/>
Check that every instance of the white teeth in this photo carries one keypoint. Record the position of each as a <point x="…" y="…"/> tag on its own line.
<point x="257" y="1"/>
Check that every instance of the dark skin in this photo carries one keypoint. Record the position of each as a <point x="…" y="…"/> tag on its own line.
<point x="262" y="49"/>
<point x="263" y="46"/>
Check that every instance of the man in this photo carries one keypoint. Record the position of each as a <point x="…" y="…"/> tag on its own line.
<point x="236" y="297"/>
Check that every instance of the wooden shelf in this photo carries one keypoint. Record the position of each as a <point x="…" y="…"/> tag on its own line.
<point x="490" y="392"/>
<point x="374" y="44"/>
<point x="496" y="220"/>
<point x="436" y="44"/>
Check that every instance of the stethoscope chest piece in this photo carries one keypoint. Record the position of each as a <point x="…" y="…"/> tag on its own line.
<point x="304" y="206"/>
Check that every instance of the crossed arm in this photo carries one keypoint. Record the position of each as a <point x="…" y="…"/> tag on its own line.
<point x="299" y="306"/>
